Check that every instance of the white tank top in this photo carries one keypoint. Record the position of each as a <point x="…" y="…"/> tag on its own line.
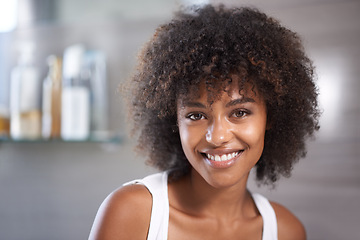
<point x="159" y="222"/>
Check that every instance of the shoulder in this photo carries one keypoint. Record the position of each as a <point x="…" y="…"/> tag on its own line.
<point x="289" y="226"/>
<point x="124" y="214"/>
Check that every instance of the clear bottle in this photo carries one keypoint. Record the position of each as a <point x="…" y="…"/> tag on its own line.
<point x="75" y="107"/>
<point x="51" y="99"/>
<point x="95" y="67"/>
<point x="25" y="97"/>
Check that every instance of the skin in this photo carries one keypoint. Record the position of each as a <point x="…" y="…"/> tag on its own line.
<point x="212" y="202"/>
<point x="234" y="124"/>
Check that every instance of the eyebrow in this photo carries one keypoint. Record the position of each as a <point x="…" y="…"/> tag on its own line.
<point x="229" y="104"/>
<point x="193" y="104"/>
<point x="239" y="101"/>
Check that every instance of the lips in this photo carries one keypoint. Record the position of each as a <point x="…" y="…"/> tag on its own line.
<point x="223" y="157"/>
<point x="222" y="160"/>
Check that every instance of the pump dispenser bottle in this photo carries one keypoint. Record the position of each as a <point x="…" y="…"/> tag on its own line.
<point x="75" y="118"/>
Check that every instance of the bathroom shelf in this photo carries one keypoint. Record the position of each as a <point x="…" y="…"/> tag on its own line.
<point x="114" y="140"/>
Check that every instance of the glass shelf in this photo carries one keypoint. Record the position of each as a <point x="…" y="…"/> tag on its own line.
<point x="113" y="139"/>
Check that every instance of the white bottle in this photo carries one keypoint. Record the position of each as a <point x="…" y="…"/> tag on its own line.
<point x="75" y="108"/>
<point x="25" y="87"/>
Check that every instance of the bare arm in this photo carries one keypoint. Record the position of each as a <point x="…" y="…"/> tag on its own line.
<point x="289" y="226"/>
<point x="124" y="214"/>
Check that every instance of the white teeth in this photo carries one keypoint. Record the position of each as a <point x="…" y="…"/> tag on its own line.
<point x="223" y="157"/>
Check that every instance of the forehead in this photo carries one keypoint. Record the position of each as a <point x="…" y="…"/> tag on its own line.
<point x="233" y="88"/>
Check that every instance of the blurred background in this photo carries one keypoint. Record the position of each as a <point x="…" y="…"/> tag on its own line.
<point x="51" y="183"/>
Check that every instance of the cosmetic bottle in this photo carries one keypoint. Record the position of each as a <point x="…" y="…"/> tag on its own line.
<point x="75" y="101"/>
<point x="95" y="67"/>
<point x="4" y="122"/>
<point x="51" y="99"/>
<point x="25" y="97"/>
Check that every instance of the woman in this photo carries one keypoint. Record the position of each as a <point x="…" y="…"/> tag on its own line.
<point x="217" y="92"/>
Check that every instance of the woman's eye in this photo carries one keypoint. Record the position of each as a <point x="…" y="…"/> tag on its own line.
<point x="239" y="113"/>
<point x="195" y="116"/>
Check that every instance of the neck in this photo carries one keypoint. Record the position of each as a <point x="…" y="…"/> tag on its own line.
<point x="200" y="198"/>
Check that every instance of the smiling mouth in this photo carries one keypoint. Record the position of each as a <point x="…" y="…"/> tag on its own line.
<point x="222" y="157"/>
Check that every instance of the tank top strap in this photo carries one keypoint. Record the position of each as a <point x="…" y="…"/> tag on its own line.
<point x="268" y="215"/>
<point x="157" y="186"/>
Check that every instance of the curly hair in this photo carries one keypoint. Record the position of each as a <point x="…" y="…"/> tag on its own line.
<point x="209" y="44"/>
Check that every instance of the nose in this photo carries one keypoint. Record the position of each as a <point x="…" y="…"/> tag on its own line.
<point x="219" y="132"/>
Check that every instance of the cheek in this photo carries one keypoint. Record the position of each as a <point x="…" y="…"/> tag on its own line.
<point x="254" y="134"/>
<point x="190" y="138"/>
<point x="185" y="135"/>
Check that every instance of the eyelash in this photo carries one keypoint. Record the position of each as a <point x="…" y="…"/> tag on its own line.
<point x="196" y="116"/>
<point x="191" y="116"/>
<point x="243" y="112"/>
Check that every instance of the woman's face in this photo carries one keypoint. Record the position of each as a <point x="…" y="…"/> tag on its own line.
<point x="223" y="140"/>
